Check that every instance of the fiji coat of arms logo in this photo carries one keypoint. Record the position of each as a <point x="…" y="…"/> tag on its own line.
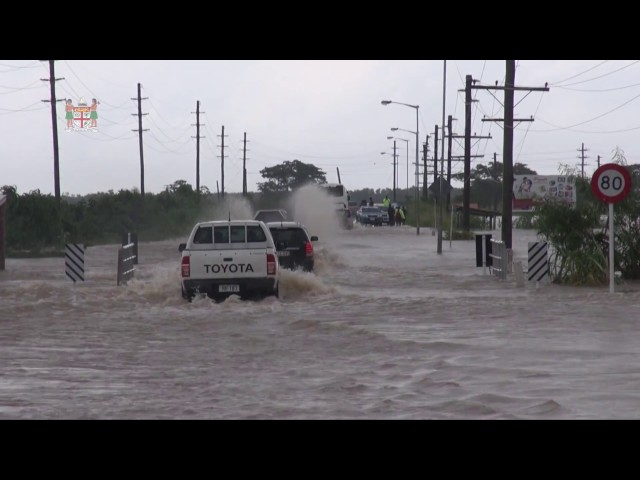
<point x="81" y="117"/>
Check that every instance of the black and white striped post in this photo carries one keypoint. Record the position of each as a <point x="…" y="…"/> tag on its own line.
<point x="129" y="238"/>
<point x="74" y="261"/>
<point x="538" y="262"/>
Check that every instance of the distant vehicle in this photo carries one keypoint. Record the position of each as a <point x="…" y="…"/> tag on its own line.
<point x="337" y="191"/>
<point x="294" y="246"/>
<point x="370" y="216"/>
<point x="273" y="215"/>
<point x="385" y="213"/>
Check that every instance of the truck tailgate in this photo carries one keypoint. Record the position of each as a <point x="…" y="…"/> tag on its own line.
<point x="230" y="264"/>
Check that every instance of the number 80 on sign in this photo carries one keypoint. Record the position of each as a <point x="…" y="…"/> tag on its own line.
<point x="611" y="183"/>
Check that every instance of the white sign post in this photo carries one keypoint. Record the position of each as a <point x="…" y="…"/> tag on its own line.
<point x="611" y="183"/>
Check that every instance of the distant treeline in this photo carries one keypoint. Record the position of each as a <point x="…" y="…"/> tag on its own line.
<point x="38" y="224"/>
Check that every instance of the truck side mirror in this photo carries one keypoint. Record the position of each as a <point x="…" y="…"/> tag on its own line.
<point x="314" y="238"/>
<point x="182" y="247"/>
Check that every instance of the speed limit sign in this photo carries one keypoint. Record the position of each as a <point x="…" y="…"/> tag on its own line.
<point x="611" y="183"/>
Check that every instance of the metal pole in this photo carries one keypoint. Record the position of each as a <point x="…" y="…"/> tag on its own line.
<point x="407" y="148"/>
<point x="611" y="240"/>
<point x="417" y="172"/>
<point x="394" y="171"/>
<point x="440" y="197"/>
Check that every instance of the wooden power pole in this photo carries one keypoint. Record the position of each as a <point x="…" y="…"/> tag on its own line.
<point x="140" y="130"/>
<point x="507" y="147"/>
<point x="54" y="123"/>
<point x="198" y="137"/>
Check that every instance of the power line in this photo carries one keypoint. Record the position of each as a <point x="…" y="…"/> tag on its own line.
<point x="35" y="64"/>
<point x="602" y="76"/>
<point x="165" y="120"/>
<point x="23" y="109"/>
<point x="170" y="139"/>
<point x="88" y="89"/>
<point x="557" y="127"/>
<point x="19" y="89"/>
<point x="555" y="84"/>
<point x="528" y="127"/>
<point x="162" y="143"/>
<point x="600" y="89"/>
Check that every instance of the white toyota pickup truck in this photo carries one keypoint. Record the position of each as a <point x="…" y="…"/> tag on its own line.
<point x="223" y="258"/>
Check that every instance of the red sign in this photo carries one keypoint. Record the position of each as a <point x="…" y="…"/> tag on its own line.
<point x="611" y="183"/>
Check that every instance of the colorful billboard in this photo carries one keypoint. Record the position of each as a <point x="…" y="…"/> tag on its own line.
<point x="529" y="189"/>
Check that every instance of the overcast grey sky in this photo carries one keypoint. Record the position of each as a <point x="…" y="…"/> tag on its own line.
<point x="327" y="113"/>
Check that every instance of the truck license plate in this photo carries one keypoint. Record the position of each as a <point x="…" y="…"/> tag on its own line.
<point x="228" y="288"/>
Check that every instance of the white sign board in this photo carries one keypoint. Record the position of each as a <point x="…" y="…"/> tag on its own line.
<point x="530" y="189"/>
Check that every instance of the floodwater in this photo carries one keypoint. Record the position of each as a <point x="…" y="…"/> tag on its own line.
<point x="385" y="328"/>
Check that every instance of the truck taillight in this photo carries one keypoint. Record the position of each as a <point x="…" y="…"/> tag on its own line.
<point x="271" y="264"/>
<point x="186" y="266"/>
<point x="308" y="249"/>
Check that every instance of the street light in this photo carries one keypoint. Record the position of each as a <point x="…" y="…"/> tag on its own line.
<point x="417" y="108"/>
<point x="407" y="147"/>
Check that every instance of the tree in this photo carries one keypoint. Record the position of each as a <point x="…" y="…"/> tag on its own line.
<point x="289" y="176"/>
<point x="494" y="171"/>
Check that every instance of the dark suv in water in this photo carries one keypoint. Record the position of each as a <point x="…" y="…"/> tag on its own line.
<point x="293" y="245"/>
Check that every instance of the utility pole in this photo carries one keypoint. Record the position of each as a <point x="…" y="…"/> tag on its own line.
<point x="598" y="161"/>
<point x="394" y="171"/>
<point x="424" y="174"/>
<point x="507" y="154"/>
<point x="494" y="176"/>
<point x="244" y="166"/>
<point x="435" y="178"/>
<point x="140" y="130"/>
<point x="435" y="155"/>
<point x="198" y="137"/>
<point x="54" y="121"/>
<point x="449" y="126"/>
<point x="466" y="193"/>
<point x="222" y="163"/>
<point x="407" y="149"/>
<point x="582" y="150"/>
<point x="466" y="196"/>
<point x="440" y="196"/>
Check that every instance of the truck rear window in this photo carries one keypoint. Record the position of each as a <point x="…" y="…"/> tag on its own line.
<point x="203" y="235"/>
<point x="236" y="234"/>
<point x="255" y="234"/>
<point x="291" y="236"/>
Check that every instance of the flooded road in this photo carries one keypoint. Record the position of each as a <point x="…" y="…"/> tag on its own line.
<point x="384" y="328"/>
